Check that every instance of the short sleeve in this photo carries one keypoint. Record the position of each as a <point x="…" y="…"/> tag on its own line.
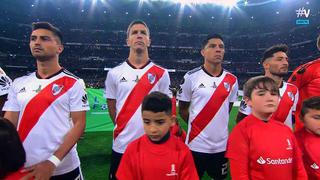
<point x="185" y="90"/>
<point x="78" y="98"/>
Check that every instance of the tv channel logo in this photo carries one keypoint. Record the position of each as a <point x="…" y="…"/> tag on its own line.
<point x="302" y="15"/>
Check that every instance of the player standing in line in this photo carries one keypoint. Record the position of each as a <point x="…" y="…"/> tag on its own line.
<point x="205" y="101"/>
<point x="260" y="147"/>
<point x="126" y="86"/>
<point x="307" y="78"/>
<point x="275" y="65"/>
<point x="41" y="106"/>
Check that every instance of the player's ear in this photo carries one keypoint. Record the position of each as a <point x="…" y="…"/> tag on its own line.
<point x="173" y="120"/>
<point x="247" y="100"/>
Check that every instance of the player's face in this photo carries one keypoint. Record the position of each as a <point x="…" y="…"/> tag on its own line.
<point x="213" y="52"/>
<point x="138" y="39"/>
<point x="312" y="121"/>
<point x="44" y="45"/>
<point x="263" y="102"/>
<point x="278" y="64"/>
<point x="156" y="125"/>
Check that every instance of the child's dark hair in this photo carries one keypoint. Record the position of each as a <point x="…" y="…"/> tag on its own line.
<point x="211" y="36"/>
<point x="310" y="103"/>
<point x="157" y="102"/>
<point x="45" y="25"/>
<point x="260" y="82"/>
<point x="12" y="154"/>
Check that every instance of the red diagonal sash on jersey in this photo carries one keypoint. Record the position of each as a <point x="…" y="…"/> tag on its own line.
<point x="135" y="98"/>
<point x="39" y="103"/>
<point x="285" y="104"/>
<point x="211" y="108"/>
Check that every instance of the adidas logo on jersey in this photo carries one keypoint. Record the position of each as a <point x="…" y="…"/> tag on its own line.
<point x="278" y="161"/>
<point x="85" y="98"/>
<point x="123" y="79"/>
<point x="314" y="166"/>
<point x="56" y="89"/>
<point x="4" y="81"/>
<point x="201" y="86"/>
<point x="173" y="171"/>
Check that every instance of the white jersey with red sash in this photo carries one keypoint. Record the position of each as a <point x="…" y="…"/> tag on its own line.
<point x="128" y="86"/>
<point x="209" y="99"/>
<point x="44" y="107"/>
<point x="289" y="97"/>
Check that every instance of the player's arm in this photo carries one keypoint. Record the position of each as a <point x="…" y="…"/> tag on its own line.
<point x="45" y="169"/>
<point x="184" y="110"/>
<point x="12" y="116"/>
<point x="112" y="109"/>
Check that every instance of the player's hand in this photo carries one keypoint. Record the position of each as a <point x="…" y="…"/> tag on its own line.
<point x="40" y="171"/>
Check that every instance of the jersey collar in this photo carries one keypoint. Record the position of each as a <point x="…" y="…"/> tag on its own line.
<point x="39" y="77"/>
<point x="133" y="67"/>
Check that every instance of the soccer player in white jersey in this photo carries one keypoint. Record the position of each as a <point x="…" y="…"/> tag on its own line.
<point x="205" y="99"/>
<point x="48" y="108"/>
<point x="126" y="86"/>
<point x="275" y="64"/>
<point x="5" y="84"/>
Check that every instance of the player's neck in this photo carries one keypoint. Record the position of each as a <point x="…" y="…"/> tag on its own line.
<point x="138" y="60"/>
<point x="47" y="68"/>
<point x="262" y="116"/>
<point x="213" y="69"/>
<point x="276" y="78"/>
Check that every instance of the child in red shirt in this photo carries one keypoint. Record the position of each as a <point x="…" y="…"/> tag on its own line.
<point x="260" y="147"/>
<point x="157" y="155"/>
<point x="309" y="137"/>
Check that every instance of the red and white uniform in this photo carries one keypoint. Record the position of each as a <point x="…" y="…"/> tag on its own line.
<point x="307" y="78"/>
<point x="264" y="150"/>
<point x="209" y="99"/>
<point x="44" y="107"/>
<point x="289" y="96"/>
<point x="5" y="83"/>
<point x="144" y="159"/>
<point x="128" y="86"/>
<point x="309" y="143"/>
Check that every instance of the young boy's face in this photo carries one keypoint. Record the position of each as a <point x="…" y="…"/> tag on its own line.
<point x="156" y="125"/>
<point x="312" y="121"/>
<point x="263" y="101"/>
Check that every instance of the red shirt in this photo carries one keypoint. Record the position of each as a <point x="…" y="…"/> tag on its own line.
<point x="146" y="160"/>
<point x="310" y="145"/>
<point x="307" y="78"/>
<point x="264" y="150"/>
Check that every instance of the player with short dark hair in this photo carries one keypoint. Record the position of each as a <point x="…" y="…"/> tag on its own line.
<point x="158" y="154"/>
<point x="275" y="64"/>
<point x="260" y="147"/>
<point x="126" y="86"/>
<point x="205" y="100"/>
<point x="48" y="108"/>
